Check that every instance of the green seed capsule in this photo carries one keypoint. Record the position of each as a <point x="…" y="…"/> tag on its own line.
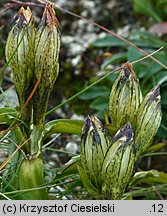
<point x="19" y="52"/>
<point x="125" y="98"/>
<point x="148" y="120"/>
<point x="93" y="148"/>
<point x="118" y="163"/>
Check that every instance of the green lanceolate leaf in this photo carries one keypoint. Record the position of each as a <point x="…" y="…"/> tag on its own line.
<point x="160" y="178"/>
<point x="155" y="148"/>
<point x="30" y="176"/>
<point x="70" y="166"/>
<point x="93" y="148"/>
<point x="118" y="163"/>
<point x="141" y="176"/>
<point x="8" y="115"/>
<point x="68" y="126"/>
<point x="148" y="120"/>
<point x="125" y="98"/>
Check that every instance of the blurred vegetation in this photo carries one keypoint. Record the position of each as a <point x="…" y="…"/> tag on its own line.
<point x="157" y="10"/>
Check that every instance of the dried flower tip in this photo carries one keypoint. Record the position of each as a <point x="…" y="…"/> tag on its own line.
<point x="125" y="98"/>
<point x="49" y="17"/>
<point x="23" y="17"/>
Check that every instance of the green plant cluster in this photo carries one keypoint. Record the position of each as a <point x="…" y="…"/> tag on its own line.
<point x="107" y="161"/>
<point x="106" y="166"/>
<point x="148" y="72"/>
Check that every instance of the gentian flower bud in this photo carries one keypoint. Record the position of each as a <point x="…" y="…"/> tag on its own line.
<point x="20" y="52"/>
<point x="93" y="149"/>
<point x="125" y="98"/>
<point x="148" y="120"/>
<point x="118" y="163"/>
<point x="47" y="47"/>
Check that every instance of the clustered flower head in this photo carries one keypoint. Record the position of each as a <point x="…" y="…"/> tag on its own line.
<point x="107" y="160"/>
<point x="33" y="55"/>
